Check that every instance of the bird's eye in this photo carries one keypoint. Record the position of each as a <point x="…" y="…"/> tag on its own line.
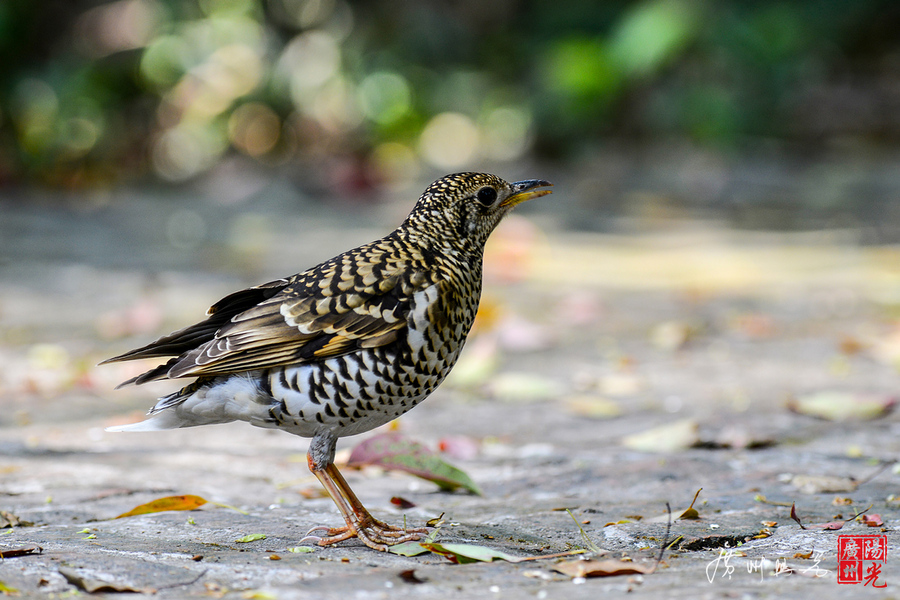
<point x="487" y="195"/>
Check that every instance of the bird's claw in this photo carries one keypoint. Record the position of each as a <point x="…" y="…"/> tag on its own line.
<point x="375" y="534"/>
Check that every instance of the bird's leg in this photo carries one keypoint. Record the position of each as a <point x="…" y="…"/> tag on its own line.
<point x="360" y="523"/>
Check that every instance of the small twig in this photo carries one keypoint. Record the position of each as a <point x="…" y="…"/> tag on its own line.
<point x="185" y="583"/>
<point x="588" y="541"/>
<point x="665" y="543"/>
<point x="762" y="499"/>
<point x="881" y="469"/>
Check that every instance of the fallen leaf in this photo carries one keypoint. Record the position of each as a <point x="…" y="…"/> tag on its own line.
<point x="737" y="437"/>
<point x="850" y="345"/>
<point x="600" y="568"/>
<point x="675" y="436"/>
<point x="301" y="549"/>
<point x="460" y="447"/>
<point x="8" y="590"/>
<point x="843" y="406"/>
<point x="311" y="493"/>
<point x="93" y="585"/>
<point x="253" y="537"/>
<point x="764" y="500"/>
<point x="516" y="334"/>
<point x="595" y="407"/>
<point x="804" y="555"/>
<point x="7" y="519"/>
<point x="625" y="521"/>
<point x="402" y="503"/>
<point x="471" y="553"/>
<point x="691" y="512"/>
<point x="619" y="385"/>
<point x="671" y="335"/>
<point x="841" y="501"/>
<point x="477" y="364"/>
<point x="523" y="387"/>
<point x="409" y="576"/>
<point x="187" y="502"/>
<point x="408" y="549"/>
<point x="258" y="595"/>
<point x="755" y="325"/>
<point x="394" y="452"/>
<point x="435" y="522"/>
<point x="819" y="484"/>
<point x="872" y="520"/>
<point x="24" y="551"/>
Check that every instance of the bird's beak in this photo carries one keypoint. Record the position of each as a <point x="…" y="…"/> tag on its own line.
<point x="525" y="190"/>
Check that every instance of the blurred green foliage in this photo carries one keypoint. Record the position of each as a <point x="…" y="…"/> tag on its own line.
<point x="92" y="91"/>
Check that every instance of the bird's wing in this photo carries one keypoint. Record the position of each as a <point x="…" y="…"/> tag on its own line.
<point x="358" y="300"/>
<point x="312" y="319"/>
<point x="220" y="313"/>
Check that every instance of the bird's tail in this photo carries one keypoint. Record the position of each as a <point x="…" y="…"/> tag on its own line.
<point x="160" y="418"/>
<point x="165" y="420"/>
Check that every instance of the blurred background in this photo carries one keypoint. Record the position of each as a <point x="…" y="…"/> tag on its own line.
<point x="157" y="154"/>
<point x="771" y="114"/>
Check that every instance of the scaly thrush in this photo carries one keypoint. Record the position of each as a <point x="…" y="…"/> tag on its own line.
<point x="347" y="345"/>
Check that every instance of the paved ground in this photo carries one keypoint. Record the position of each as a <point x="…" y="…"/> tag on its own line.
<point x="588" y="339"/>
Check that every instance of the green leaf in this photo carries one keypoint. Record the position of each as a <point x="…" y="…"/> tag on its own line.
<point x="409" y="549"/>
<point x="392" y="451"/>
<point x="469" y="553"/>
<point x="5" y="589"/>
<point x="253" y="537"/>
<point x="418" y="547"/>
<point x="301" y="549"/>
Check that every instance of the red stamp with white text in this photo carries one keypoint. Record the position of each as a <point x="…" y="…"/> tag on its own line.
<point x="861" y="559"/>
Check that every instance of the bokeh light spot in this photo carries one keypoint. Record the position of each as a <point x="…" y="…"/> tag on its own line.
<point x="384" y="97"/>
<point x="449" y="140"/>
<point x="254" y="129"/>
<point x="309" y="61"/>
<point x="506" y="133"/>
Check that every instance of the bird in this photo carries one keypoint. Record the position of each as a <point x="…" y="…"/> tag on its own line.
<point x="343" y="347"/>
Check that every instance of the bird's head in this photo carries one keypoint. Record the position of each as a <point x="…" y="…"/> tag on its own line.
<point x="464" y="208"/>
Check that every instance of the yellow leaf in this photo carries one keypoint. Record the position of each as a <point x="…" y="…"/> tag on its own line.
<point x="187" y="502"/>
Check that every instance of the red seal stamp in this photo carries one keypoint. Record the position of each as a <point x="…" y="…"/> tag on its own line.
<point x="861" y="559"/>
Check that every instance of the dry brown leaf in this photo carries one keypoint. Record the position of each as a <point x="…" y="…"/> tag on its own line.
<point x="23" y="551"/>
<point x="7" y="519"/>
<point x="601" y="568"/>
<point x="93" y="585"/>
<point x="872" y="520"/>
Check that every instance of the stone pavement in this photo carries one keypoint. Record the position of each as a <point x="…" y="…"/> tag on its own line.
<point x="587" y="339"/>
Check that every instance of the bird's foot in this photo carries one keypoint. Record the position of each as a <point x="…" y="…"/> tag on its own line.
<point x="373" y="533"/>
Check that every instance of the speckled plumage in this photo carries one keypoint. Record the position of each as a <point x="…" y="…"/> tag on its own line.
<point x="347" y="345"/>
